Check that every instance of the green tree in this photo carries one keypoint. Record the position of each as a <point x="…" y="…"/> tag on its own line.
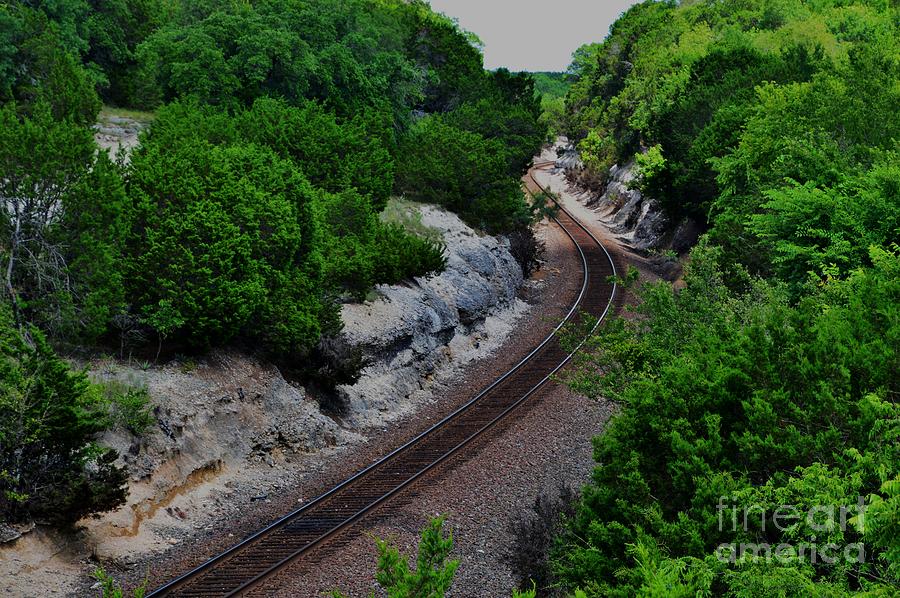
<point x="62" y="226"/>
<point x="818" y="231"/>
<point x="455" y="68"/>
<point x="226" y="242"/>
<point x="515" y="125"/>
<point x="114" y="29"/>
<point x="463" y="172"/>
<point x="37" y="66"/>
<point x="50" y="468"/>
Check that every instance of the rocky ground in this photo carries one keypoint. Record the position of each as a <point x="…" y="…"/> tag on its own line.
<point x="116" y="131"/>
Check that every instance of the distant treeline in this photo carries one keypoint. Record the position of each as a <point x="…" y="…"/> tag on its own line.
<point x="552" y="89"/>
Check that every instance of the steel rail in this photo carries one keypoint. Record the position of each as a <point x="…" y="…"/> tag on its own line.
<point x="172" y="587"/>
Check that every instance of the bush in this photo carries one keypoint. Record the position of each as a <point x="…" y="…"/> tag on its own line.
<point x="433" y="574"/>
<point x="526" y="249"/>
<point x="361" y="251"/>
<point x="535" y="533"/>
<point x="226" y="242"/>
<point x="129" y="406"/>
<point x="464" y="172"/>
<point x="110" y="589"/>
<point x="50" y="469"/>
<point x="401" y="255"/>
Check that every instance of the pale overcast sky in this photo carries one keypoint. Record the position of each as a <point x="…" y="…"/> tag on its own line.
<point x="533" y="35"/>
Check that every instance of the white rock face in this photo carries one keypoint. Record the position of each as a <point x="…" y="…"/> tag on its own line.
<point x="416" y="333"/>
<point x="637" y="221"/>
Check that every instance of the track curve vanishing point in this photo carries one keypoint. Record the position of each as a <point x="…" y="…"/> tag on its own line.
<point x="259" y="556"/>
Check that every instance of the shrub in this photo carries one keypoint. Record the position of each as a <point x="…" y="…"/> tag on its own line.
<point x="49" y="467"/>
<point x="464" y="172"/>
<point x="433" y="574"/>
<point x="401" y="255"/>
<point x="535" y="532"/>
<point x="110" y="589"/>
<point x="129" y="406"/>
<point x="226" y="242"/>
<point x="526" y="249"/>
<point x="362" y="251"/>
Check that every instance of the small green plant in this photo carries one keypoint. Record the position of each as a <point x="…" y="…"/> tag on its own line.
<point x="433" y="574"/>
<point x="188" y="365"/>
<point x="532" y="593"/>
<point x="129" y="406"/>
<point x="668" y="254"/>
<point x="110" y="589"/>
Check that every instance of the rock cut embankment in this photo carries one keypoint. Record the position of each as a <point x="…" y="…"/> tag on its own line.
<point x="230" y="430"/>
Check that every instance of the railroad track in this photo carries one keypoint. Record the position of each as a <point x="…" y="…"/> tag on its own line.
<point x="247" y="564"/>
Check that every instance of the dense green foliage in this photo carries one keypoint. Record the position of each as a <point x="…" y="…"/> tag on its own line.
<point x="463" y="171"/>
<point x="257" y="190"/>
<point x="49" y="467"/>
<point x="770" y="379"/>
<point x="551" y="86"/>
<point x="64" y="225"/>
<point x="224" y="242"/>
<point x="815" y="83"/>
<point x="343" y="53"/>
<point x="746" y="397"/>
<point x="471" y="158"/>
<point x="39" y="62"/>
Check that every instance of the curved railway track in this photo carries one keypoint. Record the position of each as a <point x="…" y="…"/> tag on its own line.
<point x="247" y="564"/>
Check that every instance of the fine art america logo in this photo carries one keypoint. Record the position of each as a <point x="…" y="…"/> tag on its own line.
<point x="824" y="520"/>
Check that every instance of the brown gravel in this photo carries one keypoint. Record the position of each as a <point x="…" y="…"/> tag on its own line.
<point x="544" y="445"/>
